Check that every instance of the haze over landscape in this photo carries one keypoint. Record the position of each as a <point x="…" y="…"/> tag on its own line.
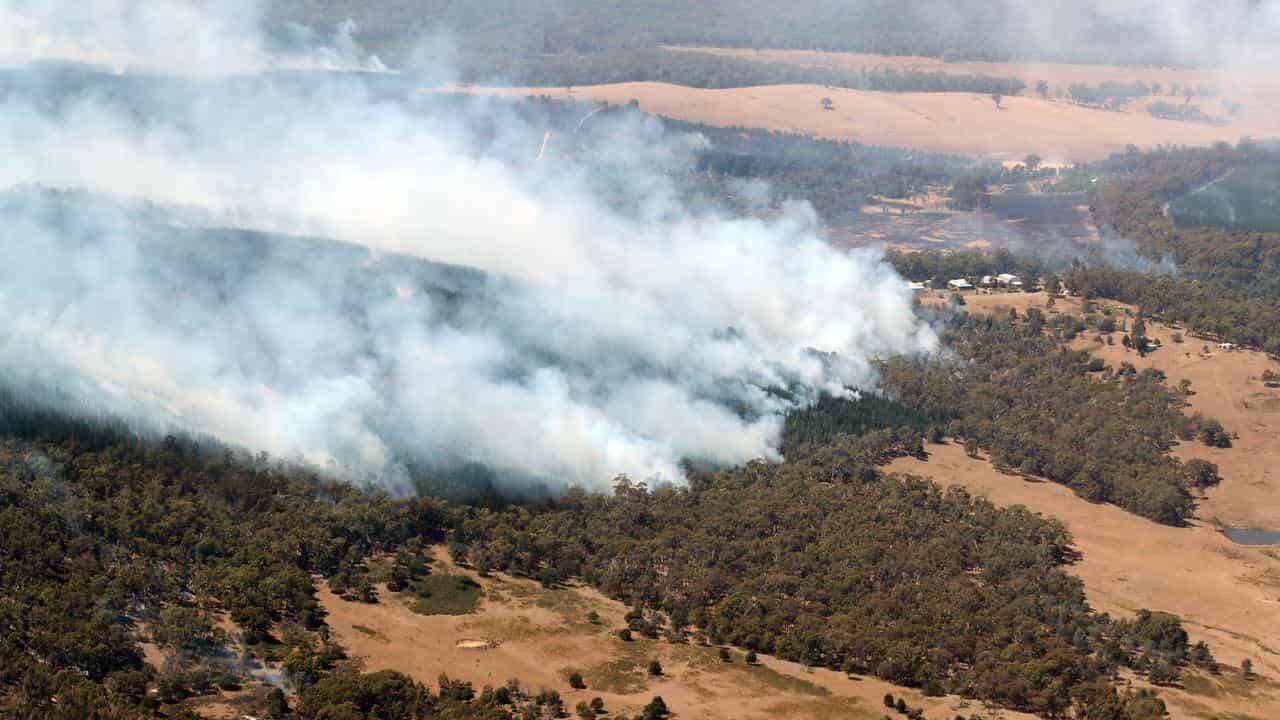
<point x="840" y="358"/>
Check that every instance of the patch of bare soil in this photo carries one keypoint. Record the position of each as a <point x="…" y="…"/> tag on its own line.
<point x="962" y="123"/>
<point x="539" y="636"/>
<point x="225" y="705"/>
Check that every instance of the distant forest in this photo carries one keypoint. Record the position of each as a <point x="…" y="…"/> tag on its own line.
<point x="704" y="70"/>
<point x="492" y="34"/>
<point x="1136" y="205"/>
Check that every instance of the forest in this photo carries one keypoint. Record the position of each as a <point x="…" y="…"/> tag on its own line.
<point x="705" y="70"/>
<point x="808" y="560"/>
<point x="109" y="535"/>
<point x="1242" y="260"/>
<point x="836" y="178"/>
<point x="959" y="29"/>
<point x="1041" y="409"/>
<point x="1244" y="199"/>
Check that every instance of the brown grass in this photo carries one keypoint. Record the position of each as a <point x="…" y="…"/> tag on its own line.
<point x="539" y="636"/>
<point x="1257" y="87"/>
<point x="963" y="123"/>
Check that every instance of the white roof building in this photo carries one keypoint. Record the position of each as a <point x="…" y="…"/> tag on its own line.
<point x="1008" y="280"/>
<point x="959" y="284"/>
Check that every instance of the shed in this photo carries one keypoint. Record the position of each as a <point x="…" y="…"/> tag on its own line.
<point x="1007" y="280"/>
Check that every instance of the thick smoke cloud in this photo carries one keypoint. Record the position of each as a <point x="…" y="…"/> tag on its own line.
<point x="171" y="36"/>
<point x="611" y="328"/>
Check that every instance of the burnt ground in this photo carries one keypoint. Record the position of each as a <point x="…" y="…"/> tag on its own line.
<point x="1050" y="224"/>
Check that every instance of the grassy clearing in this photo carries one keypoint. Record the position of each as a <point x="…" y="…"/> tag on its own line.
<point x="623" y="676"/>
<point x="445" y="595"/>
<point x="825" y="707"/>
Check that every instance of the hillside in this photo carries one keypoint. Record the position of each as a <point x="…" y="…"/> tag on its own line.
<point x="961" y="123"/>
<point x="1093" y="33"/>
<point x="644" y="360"/>
<point x="1126" y="563"/>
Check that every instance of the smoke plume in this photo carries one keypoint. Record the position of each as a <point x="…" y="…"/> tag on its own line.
<point x="171" y="36"/>
<point x="603" y="327"/>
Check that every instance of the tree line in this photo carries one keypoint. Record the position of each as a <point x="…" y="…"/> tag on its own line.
<point x="707" y="70"/>
<point x="1041" y="409"/>
<point x="968" y="30"/>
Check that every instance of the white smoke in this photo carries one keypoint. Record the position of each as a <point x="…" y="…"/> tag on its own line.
<point x="176" y="37"/>
<point x="610" y="334"/>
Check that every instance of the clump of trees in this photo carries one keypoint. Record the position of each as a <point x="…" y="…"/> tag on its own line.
<point x="970" y="192"/>
<point x="1042" y="409"/>
<point x="1184" y="113"/>
<point x="1108" y="94"/>
<point x="96" y="534"/>
<point x="1206" y="310"/>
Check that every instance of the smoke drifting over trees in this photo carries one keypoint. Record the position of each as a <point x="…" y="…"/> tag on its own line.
<point x="610" y="328"/>
<point x="173" y="37"/>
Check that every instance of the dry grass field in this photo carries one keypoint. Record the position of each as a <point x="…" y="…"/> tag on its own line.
<point x="961" y="123"/>
<point x="1257" y="87"/>
<point x="522" y="630"/>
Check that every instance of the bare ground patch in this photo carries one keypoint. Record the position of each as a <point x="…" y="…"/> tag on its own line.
<point x="539" y="635"/>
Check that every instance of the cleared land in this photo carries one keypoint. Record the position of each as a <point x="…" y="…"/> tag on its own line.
<point x="1247" y="83"/>
<point x="962" y="123"/>
<point x="1228" y="594"/>
<point x="522" y="630"/>
<point x="1256" y="88"/>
